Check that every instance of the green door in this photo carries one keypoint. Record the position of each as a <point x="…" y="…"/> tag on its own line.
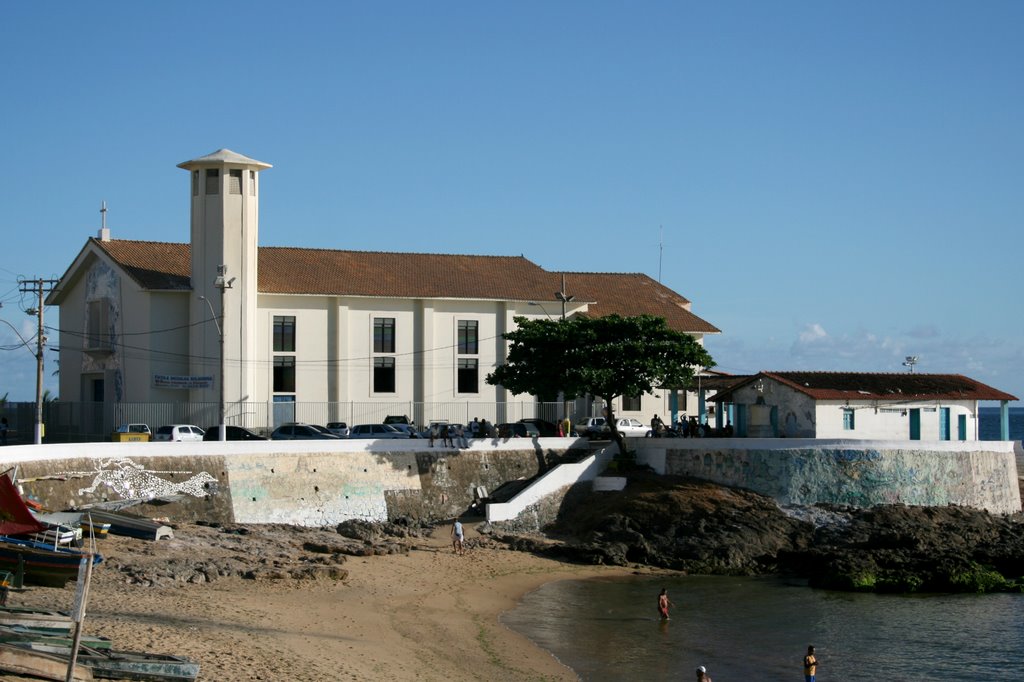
<point x="915" y="424"/>
<point x="961" y="427"/>
<point x="944" y="424"/>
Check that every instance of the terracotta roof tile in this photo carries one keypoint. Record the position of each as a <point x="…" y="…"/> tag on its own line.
<point x="634" y="294"/>
<point x="285" y="270"/>
<point x="868" y="386"/>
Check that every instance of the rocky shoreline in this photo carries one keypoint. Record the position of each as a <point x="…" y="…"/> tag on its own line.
<point x="662" y="522"/>
<point x="697" y="527"/>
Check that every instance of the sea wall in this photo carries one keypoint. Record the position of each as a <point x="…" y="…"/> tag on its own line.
<point x="307" y="483"/>
<point x="979" y="474"/>
<point x="320" y="483"/>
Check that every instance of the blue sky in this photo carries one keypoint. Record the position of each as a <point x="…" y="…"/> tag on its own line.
<point x="834" y="185"/>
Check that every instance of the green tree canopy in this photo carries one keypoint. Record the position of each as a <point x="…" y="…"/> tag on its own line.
<point x="606" y="357"/>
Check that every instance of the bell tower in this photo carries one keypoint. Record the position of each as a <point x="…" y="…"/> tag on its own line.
<point x="225" y="205"/>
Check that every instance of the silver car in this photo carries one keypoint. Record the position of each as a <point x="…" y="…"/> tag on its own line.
<point x="376" y="431"/>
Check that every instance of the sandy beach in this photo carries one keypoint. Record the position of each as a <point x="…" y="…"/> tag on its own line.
<point x="424" y="614"/>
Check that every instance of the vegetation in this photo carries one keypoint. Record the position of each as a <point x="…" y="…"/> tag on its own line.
<point x="606" y="357"/>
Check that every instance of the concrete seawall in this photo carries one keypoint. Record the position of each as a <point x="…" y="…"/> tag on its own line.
<point x="307" y="483"/>
<point x="980" y="474"/>
<point x="320" y="483"/>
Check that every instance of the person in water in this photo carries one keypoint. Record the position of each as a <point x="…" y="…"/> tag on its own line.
<point x="810" y="665"/>
<point x="663" y="604"/>
<point x="702" y="674"/>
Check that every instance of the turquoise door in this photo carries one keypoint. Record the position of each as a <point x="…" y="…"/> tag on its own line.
<point x="915" y="425"/>
<point x="943" y="423"/>
<point x="961" y="427"/>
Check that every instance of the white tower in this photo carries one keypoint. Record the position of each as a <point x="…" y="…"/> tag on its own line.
<point x="225" y="226"/>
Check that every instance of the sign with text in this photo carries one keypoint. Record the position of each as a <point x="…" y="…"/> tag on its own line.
<point x="182" y="382"/>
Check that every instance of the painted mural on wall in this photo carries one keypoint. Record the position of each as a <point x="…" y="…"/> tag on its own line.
<point x="103" y="286"/>
<point x="128" y="480"/>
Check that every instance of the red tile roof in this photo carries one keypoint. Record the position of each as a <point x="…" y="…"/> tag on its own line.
<point x="633" y="293"/>
<point x="867" y="386"/>
<point x="284" y="270"/>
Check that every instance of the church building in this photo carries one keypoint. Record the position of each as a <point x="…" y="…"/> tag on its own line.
<point x="184" y="332"/>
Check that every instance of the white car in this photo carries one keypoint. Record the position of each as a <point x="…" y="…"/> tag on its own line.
<point x="632" y="428"/>
<point x="179" y="433"/>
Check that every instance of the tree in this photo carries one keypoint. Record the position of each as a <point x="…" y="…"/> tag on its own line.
<point x="606" y="357"/>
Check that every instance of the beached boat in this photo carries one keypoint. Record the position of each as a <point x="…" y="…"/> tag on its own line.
<point x="82" y="521"/>
<point x="132" y="525"/>
<point x="27" y="560"/>
<point x="47" y="640"/>
<point x="41" y="564"/>
<point x="130" y="665"/>
<point x="37" y="619"/>
<point x="40" y="664"/>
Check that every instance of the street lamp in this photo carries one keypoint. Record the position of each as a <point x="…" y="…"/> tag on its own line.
<point x="222" y="283"/>
<point x="543" y="309"/>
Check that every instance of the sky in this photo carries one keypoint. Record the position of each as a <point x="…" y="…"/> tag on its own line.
<point x="834" y="185"/>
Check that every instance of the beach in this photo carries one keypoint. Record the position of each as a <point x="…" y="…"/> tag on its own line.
<point x="424" y="613"/>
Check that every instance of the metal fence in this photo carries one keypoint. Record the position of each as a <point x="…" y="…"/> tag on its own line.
<point x="90" y="422"/>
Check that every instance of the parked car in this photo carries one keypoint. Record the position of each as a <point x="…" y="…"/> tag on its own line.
<point x="632" y="428"/>
<point x="127" y="433"/>
<point x="517" y="430"/>
<point x="376" y="431"/>
<point x="394" y="419"/>
<point x="178" y="433"/>
<point x="133" y="428"/>
<point x="232" y="433"/>
<point x="339" y="429"/>
<point x="298" y="431"/>
<point x="407" y="428"/>
<point x="545" y="428"/>
<point x="592" y="426"/>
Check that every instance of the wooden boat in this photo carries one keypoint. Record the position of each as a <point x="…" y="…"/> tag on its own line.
<point x="39" y="664"/>
<point x="30" y="561"/>
<point x="79" y="520"/>
<point x="130" y="665"/>
<point x="132" y="525"/>
<point x="41" y="564"/>
<point x="44" y="620"/>
<point x="61" y="530"/>
<point x="47" y="640"/>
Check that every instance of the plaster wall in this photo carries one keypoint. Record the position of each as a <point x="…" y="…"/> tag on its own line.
<point x="306" y="483"/>
<point x="860" y="473"/>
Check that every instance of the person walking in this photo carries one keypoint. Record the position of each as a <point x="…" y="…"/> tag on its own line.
<point x="810" y="665"/>
<point x="458" y="536"/>
<point x="663" y="604"/>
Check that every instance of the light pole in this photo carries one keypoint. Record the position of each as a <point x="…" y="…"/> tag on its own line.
<point x="222" y="283"/>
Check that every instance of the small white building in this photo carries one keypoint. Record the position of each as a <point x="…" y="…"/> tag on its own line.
<point x="856" y="405"/>
<point x="281" y="333"/>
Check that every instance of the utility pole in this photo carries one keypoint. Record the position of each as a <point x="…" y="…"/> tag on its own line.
<point x="40" y="287"/>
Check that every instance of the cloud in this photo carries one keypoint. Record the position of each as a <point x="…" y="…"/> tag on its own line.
<point x="812" y="333"/>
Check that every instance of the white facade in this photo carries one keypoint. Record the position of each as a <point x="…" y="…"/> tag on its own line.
<point x="182" y="325"/>
<point x="767" y="409"/>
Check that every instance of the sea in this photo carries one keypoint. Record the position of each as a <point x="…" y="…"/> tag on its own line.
<point x="988" y="424"/>
<point x="758" y="629"/>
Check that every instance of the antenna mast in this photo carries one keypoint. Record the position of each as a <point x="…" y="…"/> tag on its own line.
<point x="661" y="249"/>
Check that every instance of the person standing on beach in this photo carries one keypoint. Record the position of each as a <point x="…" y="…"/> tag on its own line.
<point x="663" y="604"/>
<point x="457" y="537"/>
<point x="702" y="674"/>
<point x="810" y="665"/>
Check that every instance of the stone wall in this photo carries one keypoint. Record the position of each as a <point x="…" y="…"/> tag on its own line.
<point x="980" y="474"/>
<point x="307" y="483"/>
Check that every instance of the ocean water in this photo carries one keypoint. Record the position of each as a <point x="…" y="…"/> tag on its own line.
<point x="758" y="629"/>
<point x="988" y="424"/>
